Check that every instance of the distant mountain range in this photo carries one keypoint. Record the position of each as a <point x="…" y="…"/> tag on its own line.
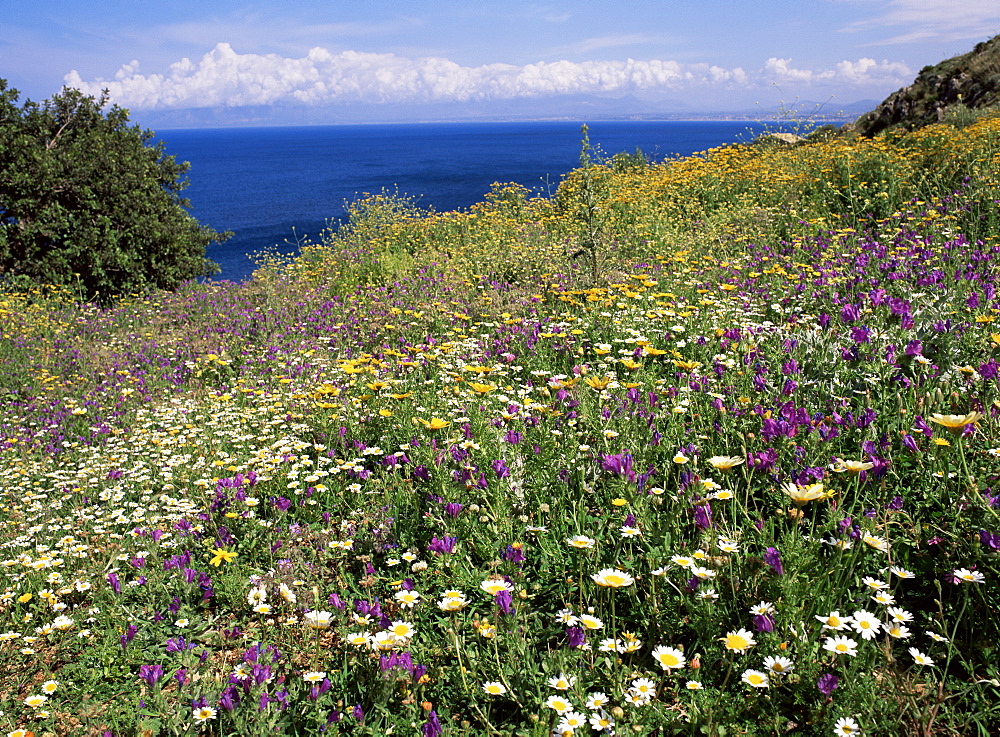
<point x="576" y="108"/>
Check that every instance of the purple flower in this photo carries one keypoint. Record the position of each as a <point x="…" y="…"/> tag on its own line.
<point x="575" y="637"/>
<point x="515" y="554"/>
<point x="441" y="546"/>
<point x="850" y="313"/>
<point x="178" y="644"/>
<point x="620" y="465"/>
<point x="703" y="516"/>
<point x="115" y="583"/>
<point x="452" y="509"/>
<point x="920" y="424"/>
<point x="151" y="674"/>
<point x="229" y="699"/>
<point x="505" y="600"/>
<point x="432" y="727"/>
<point x="827" y="683"/>
<point x="763" y="623"/>
<point x="990" y="540"/>
<point x="513" y="437"/>
<point x="773" y="558"/>
<point x="130" y="633"/>
<point x="358" y="713"/>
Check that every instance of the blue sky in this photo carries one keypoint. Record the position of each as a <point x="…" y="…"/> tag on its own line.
<point x="418" y="55"/>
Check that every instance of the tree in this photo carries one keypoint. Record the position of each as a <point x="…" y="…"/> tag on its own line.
<point x="88" y="202"/>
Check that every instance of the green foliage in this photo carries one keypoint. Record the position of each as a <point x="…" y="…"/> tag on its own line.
<point x="86" y="201"/>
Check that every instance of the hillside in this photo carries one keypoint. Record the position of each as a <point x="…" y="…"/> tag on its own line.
<point x="971" y="80"/>
<point x="702" y="446"/>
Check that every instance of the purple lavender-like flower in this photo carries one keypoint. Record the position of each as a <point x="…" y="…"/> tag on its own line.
<point x="619" y="464"/>
<point x="129" y="635"/>
<point x="151" y="674"/>
<point x="116" y="585"/>
<point x="513" y="437"/>
<point x="229" y="699"/>
<point x="514" y="554"/>
<point x="505" y="600"/>
<point x="990" y="540"/>
<point x="703" y="516"/>
<point x="442" y="546"/>
<point x="850" y="313"/>
<point x="500" y="468"/>
<point x="178" y="644"/>
<point x="432" y="727"/>
<point x="773" y="558"/>
<point x="575" y="637"/>
<point x="827" y="683"/>
<point x="763" y="623"/>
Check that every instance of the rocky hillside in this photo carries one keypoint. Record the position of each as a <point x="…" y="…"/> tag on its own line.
<point x="972" y="80"/>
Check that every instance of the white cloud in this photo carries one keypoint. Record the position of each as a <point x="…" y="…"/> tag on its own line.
<point x="783" y="71"/>
<point x="935" y="20"/>
<point x="224" y="77"/>
<point x="869" y="70"/>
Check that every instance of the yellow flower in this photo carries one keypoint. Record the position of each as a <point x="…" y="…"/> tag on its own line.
<point x="431" y="424"/>
<point x="725" y="463"/>
<point x="220" y="555"/>
<point x="739" y="641"/>
<point x="851" y="467"/>
<point x="956" y="423"/>
<point x="613" y="578"/>
<point x="804" y="494"/>
<point x="597" y="383"/>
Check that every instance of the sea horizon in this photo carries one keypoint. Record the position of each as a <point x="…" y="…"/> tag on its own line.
<point x="278" y="186"/>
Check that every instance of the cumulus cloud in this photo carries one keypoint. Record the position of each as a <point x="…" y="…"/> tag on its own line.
<point x="224" y="77"/>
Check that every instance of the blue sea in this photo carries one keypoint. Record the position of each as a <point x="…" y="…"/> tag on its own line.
<point x="275" y="186"/>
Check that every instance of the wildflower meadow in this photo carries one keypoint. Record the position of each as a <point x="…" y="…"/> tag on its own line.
<point x="697" y="446"/>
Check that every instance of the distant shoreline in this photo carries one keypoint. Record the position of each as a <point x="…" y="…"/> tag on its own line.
<point x="686" y="118"/>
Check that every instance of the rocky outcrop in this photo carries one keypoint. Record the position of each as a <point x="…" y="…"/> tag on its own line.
<point x="972" y="80"/>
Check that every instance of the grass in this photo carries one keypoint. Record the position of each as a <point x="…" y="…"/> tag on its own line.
<point x="434" y="477"/>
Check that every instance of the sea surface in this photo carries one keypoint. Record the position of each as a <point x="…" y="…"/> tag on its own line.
<point x="274" y="187"/>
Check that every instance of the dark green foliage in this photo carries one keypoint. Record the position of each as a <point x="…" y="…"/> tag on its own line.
<point x="87" y="202"/>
